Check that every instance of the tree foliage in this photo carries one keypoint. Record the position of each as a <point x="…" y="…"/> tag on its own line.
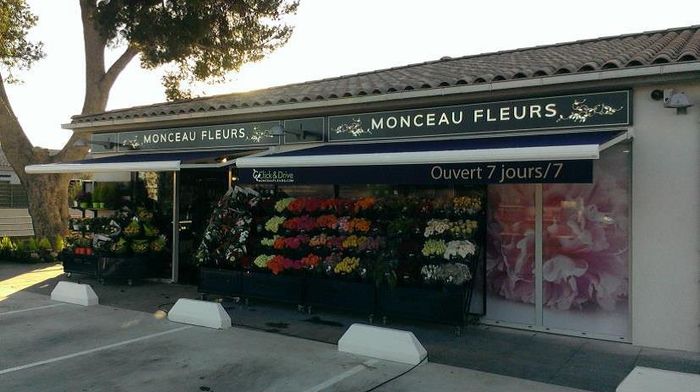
<point x="16" y="51"/>
<point x="204" y="39"/>
<point x="201" y="40"/>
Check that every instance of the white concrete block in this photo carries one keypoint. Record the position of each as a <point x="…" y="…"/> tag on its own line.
<point x="74" y="293"/>
<point x="642" y="379"/>
<point x="382" y="343"/>
<point x="201" y="313"/>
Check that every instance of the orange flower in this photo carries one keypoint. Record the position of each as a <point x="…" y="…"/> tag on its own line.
<point x="311" y="260"/>
<point x="360" y="224"/>
<point x="327" y="221"/>
<point x="276" y="265"/>
<point x="279" y="243"/>
<point x="365" y="203"/>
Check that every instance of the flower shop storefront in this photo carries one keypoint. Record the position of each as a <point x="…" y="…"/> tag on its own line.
<point x="514" y="212"/>
<point x="544" y="242"/>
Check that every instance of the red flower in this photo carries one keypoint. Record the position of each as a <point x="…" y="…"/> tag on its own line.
<point x="296" y="206"/>
<point x="276" y="265"/>
<point x="312" y="205"/>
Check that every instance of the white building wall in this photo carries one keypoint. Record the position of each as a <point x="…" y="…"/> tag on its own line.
<point x="666" y="222"/>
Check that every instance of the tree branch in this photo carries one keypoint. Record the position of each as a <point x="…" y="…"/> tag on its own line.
<point x="118" y="66"/>
<point x="17" y="147"/>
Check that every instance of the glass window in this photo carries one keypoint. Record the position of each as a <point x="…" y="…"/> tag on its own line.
<point x="586" y="248"/>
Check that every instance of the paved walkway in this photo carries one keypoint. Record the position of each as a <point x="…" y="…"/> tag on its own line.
<point x="565" y="361"/>
<point x="49" y="346"/>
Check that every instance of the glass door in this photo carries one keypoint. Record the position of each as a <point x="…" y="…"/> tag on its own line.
<point x="510" y="257"/>
<point x="585" y="253"/>
<point x="558" y="254"/>
<point x="200" y="190"/>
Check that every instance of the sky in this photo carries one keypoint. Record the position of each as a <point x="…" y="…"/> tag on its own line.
<point x="331" y="38"/>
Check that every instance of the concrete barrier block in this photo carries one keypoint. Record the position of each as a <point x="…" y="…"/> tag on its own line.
<point x="382" y="343"/>
<point x="74" y="293"/>
<point x="642" y="379"/>
<point x="201" y="313"/>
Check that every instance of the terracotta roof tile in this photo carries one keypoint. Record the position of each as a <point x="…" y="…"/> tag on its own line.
<point x="600" y="54"/>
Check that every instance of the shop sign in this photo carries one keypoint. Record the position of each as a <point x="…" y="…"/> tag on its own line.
<point x="573" y="171"/>
<point x="214" y="136"/>
<point x="560" y="112"/>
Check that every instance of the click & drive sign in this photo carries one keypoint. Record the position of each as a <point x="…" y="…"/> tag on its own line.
<point x="572" y="171"/>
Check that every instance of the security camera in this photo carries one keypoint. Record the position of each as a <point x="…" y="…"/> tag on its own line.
<point x="104" y="2"/>
<point x="677" y="100"/>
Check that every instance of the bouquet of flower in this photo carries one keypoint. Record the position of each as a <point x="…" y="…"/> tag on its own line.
<point x="120" y="247"/>
<point x="133" y="229"/>
<point x="359" y="224"/>
<point x="262" y="261"/>
<point x="365" y="203"/>
<point x="311" y="260"/>
<point x="436" y="227"/>
<point x="327" y="221"/>
<point x="331" y="261"/>
<point x="434" y="248"/>
<point x="301" y="223"/>
<point x="269" y="241"/>
<point x="139" y="246"/>
<point x="451" y="273"/>
<point x="158" y="244"/>
<point x="463" y="228"/>
<point x="352" y="241"/>
<point x="296" y="206"/>
<point x="347" y="266"/>
<point x="273" y="224"/>
<point x="459" y="249"/>
<point x="282" y="204"/>
<point x="466" y="204"/>
<point x="318" y="240"/>
<point x="150" y="230"/>
<point x="144" y="214"/>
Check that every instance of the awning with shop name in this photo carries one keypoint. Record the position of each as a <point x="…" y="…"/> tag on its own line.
<point x="543" y="158"/>
<point x="156" y="162"/>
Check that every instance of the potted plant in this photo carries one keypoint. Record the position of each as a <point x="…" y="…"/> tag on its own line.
<point x="97" y="195"/>
<point x="73" y="192"/>
<point x="84" y="200"/>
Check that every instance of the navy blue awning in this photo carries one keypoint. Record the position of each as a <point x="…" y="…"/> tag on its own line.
<point x="504" y="159"/>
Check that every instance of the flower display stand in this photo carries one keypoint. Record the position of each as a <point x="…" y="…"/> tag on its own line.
<point x="79" y="264"/>
<point x="444" y="304"/>
<point x="226" y="283"/>
<point x="352" y="296"/>
<point x="269" y="287"/>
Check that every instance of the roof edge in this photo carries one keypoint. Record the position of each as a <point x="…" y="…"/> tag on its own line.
<point x="611" y="74"/>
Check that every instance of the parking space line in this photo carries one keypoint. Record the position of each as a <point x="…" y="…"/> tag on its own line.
<point x="94" y="350"/>
<point x="341" y="376"/>
<point x="30" y="309"/>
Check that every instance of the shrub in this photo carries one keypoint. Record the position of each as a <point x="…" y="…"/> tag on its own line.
<point x="59" y="244"/>
<point x="44" y="244"/>
<point x="30" y="245"/>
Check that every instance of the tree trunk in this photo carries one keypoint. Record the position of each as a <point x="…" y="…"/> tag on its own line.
<point x="48" y="206"/>
<point x="48" y="193"/>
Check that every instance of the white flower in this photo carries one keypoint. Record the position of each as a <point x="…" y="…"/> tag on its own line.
<point x="461" y="248"/>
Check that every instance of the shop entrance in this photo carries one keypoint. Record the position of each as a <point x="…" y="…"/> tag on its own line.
<point x="557" y="254"/>
<point x="199" y="191"/>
